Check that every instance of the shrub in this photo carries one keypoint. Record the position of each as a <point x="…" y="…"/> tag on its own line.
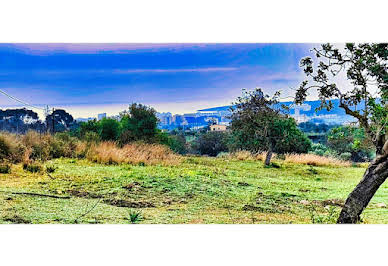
<point x="38" y="145"/>
<point x="345" y="156"/>
<point x="139" y="123"/>
<point x="211" y="143"/>
<point x="109" y="129"/>
<point x="177" y="143"/>
<point x="32" y="167"/>
<point x="5" y="169"/>
<point x="91" y="137"/>
<point x="11" y="149"/>
<point x="318" y="149"/>
<point x="223" y="155"/>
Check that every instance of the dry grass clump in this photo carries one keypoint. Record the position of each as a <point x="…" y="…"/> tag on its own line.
<point x="247" y="155"/>
<point x="34" y="146"/>
<point x="134" y="153"/>
<point x="315" y="160"/>
<point x="309" y="159"/>
<point x="11" y="148"/>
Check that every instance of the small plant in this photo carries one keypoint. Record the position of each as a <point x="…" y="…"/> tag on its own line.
<point x="135" y="216"/>
<point x="5" y="169"/>
<point x="312" y="170"/>
<point x="32" y="167"/>
<point x="50" y="169"/>
<point x="329" y="217"/>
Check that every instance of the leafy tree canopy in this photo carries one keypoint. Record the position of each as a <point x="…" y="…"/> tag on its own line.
<point x="365" y="66"/>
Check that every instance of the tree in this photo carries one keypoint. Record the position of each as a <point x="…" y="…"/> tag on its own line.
<point x="211" y="143"/>
<point x="138" y="123"/>
<point x="365" y="66"/>
<point x="258" y="124"/>
<point x="89" y="126"/>
<point x="351" y="140"/>
<point x="109" y="129"/>
<point x="62" y="121"/>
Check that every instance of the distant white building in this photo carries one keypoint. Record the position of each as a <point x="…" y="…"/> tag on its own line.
<point x="101" y="116"/>
<point x="218" y="128"/>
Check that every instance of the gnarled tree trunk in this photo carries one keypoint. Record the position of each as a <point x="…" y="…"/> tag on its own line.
<point x="359" y="198"/>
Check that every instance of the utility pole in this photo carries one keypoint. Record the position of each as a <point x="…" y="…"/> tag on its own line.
<point x="52" y="117"/>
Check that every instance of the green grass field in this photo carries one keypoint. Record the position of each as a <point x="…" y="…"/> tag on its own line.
<point x="199" y="190"/>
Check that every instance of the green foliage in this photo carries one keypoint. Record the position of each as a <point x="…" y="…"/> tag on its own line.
<point x="87" y="127"/>
<point x="138" y="123"/>
<point x="292" y="139"/>
<point x="135" y="216"/>
<point x="314" y="128"/>
<point x="5" y="168"/>
<point x="177" y="143"/>
<point x="259" y="125"/>
<point x="108" y="129"/>
<point x="318" y="149"/>
<point x="92" y="137"/>
<point x="329" y="216"/>
<point x="210" y="143"/>
<point x="32" y="167"/>
<point x="362" y="64"/>
<point x="345" y="156"/>
<point x="351" y="140"/>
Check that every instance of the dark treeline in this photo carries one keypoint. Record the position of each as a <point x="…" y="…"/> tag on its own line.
<point x="22" y="120"/>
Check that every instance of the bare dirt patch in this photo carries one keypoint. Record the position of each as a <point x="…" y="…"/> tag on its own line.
<point x="129" y="204"/>
<point x="16" y="220"/>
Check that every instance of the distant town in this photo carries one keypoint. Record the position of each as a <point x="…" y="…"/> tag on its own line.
<point x="220" y="116"/>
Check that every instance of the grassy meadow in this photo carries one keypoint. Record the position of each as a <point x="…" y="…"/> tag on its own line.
<point x="195" y="190"/>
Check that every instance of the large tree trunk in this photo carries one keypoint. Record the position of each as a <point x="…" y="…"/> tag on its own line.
<point x="268" y="157"/>
<point x="359" y="198"/>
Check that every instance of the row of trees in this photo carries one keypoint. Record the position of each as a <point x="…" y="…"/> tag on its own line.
<point x="138" y="123"/>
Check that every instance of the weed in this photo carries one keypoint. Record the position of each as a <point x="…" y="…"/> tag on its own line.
<point x="50" y="169"/>
<point x="135" y="216"/>
<point x="312" y="170"/>
<point x="328" y="217"/>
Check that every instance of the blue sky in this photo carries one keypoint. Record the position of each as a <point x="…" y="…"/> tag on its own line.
<point x="87" y="79"/>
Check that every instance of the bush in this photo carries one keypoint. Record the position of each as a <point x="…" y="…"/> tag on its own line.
<point x="223" y="155"/>
<point x="5" y="169"/>
<point x="345" y="156"/>
<point x="91" y="137"/>
<point x="210" y="143"/>
<point x="318" y="149"/>
<point x="11" y="149"/>
<point x="109" y="129"/>
<point x="32" y="167"/>
<point x="139" y="123"/>
<point x="177" y="143"/>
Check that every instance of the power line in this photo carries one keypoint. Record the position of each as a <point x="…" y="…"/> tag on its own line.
<point x="20" y="101"/>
